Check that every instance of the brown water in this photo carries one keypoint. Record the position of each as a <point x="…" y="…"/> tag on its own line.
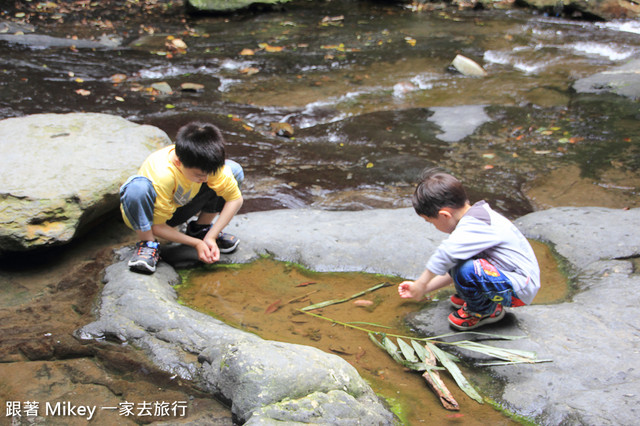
<point x="265" y="297"/>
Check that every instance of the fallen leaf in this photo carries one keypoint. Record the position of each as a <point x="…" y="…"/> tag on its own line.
<point x="247" y="52"/>
<point x="369" y="165"/>
<point x="119" y="98"/>
<point x="363" y="302"/>
<point x="83" y="92"/>
<point x="305" y="284"/>
<point x="340" y="351"/>
<point x="191" y="87"/>
<point x="249" y="71"/>
<point x="269" y="48"/>
<point x="273" y="307"/>
<point x="118" y="78"/>
<point x="333" y="18"/>
<point x="410" y="40"/>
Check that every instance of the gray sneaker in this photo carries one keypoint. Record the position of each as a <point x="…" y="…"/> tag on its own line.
<point x="145" y="257"/>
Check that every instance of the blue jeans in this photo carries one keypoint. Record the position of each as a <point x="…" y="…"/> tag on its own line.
<point x="137" y="197"/>
<point x="482" y="286"/>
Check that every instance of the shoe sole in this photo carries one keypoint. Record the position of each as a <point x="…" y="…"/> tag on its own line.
<point x="142" y="267"/>
<point x="480" y="323"/>
<point x="230" y="249"/>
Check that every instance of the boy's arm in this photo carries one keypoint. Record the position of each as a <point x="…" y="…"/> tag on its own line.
<point x="168" y="232"/>
<point x="228" y="212"/>
<point x="426" y="283"/>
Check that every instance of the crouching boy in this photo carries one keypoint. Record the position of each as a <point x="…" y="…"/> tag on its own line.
<point x="177" y="182"/>
<point x="487" y="258"/>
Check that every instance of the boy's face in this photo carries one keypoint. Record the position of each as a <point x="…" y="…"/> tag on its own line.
<point x="194" y="174"/>
<point x="444" y="222"/>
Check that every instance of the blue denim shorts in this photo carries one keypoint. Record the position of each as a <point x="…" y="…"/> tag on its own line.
<point x="483" y="286"/>
<point x="138" y="197"/>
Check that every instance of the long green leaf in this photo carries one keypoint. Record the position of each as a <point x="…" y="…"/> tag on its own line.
<point x="407" y="351"/>
<point x="420" y="350"/>
<point x="497" y="363"/>
<point x="367" y="323"/>
<point x="512" y="355"/>
<point x="336" y="301"/>
<point x="455" y="372"/>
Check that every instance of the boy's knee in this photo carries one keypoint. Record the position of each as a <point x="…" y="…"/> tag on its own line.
<point x="137" y="187"/>
<point x="237" y="170"/>
<point x="463" y="271"/>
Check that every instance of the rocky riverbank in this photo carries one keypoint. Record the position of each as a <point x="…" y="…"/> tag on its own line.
<point x="591" y="378"/>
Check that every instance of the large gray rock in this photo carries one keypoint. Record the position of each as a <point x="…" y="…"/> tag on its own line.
<point x="61" y="172"/>
<point x="623" y="80"/>
<point x="264" y="381"/>
<point x="592" y="340"/>
<point x="605" y="9"/>
<point x="227" y="5"/>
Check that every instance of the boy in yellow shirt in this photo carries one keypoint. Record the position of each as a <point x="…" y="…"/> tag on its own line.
<point x="168" y="190"/>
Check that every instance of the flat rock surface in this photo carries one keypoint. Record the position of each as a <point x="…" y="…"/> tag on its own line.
<point x="623" y="80"/>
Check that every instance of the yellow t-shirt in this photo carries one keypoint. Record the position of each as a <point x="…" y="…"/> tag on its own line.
<point x="174" y="190"/>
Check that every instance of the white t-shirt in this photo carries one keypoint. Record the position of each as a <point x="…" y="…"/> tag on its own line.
<point x="485" y="234"/>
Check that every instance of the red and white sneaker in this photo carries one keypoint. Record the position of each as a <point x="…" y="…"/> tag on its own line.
<point x="456" y="301"/>
<point x="463" y="319"/>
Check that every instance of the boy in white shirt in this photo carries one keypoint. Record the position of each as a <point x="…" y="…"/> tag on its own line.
<point x="487" y="258"/>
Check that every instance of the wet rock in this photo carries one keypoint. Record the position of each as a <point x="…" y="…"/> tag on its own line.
<point x="592" y="378"/>
<point x="466" y="66"/>
<point x="76" y="163"/>
<point x="256" y="376"/>
<point x="623" y="80"/>
<point x="227" y="5"/>
<point x="45" y="41"/>
<point x="604" y="9"/>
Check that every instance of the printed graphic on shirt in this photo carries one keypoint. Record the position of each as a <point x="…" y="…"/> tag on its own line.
<point x="488" y="268"/>
<point x="181" y="197"/>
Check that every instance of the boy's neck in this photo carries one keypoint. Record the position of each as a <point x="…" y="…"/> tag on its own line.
<point x="459" y="213"/>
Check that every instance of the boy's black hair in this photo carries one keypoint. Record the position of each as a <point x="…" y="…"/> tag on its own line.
<point x="437" y="190"/>
<point x="200" y="146"/>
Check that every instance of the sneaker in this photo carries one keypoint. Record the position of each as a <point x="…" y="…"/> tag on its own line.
<point x="227" y="243"/>
<point x="145" y="257"/>
<point x="196" y="230"/>
<point x="456" y="301"/>
<point x="463" y="319"/>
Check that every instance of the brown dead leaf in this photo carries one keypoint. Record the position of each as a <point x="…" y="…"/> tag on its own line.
<point x="273" y="307"/>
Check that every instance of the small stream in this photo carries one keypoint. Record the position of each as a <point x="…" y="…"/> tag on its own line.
<point x="368" y="92"/>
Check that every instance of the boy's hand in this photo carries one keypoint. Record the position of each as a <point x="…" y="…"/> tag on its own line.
<point x="213" y="247"/>
<point x="205" y="254"/>
<point x="410" y="290"/>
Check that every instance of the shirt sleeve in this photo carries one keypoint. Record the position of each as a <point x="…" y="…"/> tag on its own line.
<point x="164" y="207"/>
<point x="470" y="238"/>
<point x="224" y="184"/>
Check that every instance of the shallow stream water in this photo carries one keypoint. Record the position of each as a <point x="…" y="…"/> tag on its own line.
<point x="368" y="92"/>
<point x="266" y="298"/>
